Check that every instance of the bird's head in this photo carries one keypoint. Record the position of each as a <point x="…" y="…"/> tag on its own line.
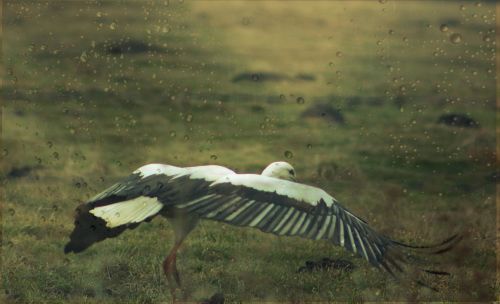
<point x="282" y="170"/>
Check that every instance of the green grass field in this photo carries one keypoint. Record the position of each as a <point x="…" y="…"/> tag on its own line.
<point x="94" y="89"/>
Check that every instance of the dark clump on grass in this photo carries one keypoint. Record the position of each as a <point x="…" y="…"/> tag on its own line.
<point x="324" y="111"/>
<point x="271" y="76"/>
<point x="305" y="77"/>
<point x="458" y="120"/>
<point x="217" y="298"/>
<point x="18" y="172"/>
<point x="129" y="46"/>
<point x="259" y="77"/>
<point x="327" y="264"/>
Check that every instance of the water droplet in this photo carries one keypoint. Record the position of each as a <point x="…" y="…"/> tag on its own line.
<point x="186" y="137"/>
<point x="486" y="38"/>
<point x="456" y="38"/>
<point x="117" y="214"/>
<point x="339" y="54"/>
<point x="213" y="157"/>
<point x="391" y="32"/>
<point x="78" y="185"/>
<point x="330" y="64"/>
<point x="282" y="97"/>
<point x="309" y="146"/>
<point x="300" y="100"/>
<point x="288" y="154"/>
<point x="49" y="143"/>
<point x="405" y="39"/>
<point x="83" y="57"/>
<point x="443" y="28"/>
<point x="12" y="211"/>
<point x="462" y="7"/>
<point x="112" y="26"/>
<point x="173" y="134"/>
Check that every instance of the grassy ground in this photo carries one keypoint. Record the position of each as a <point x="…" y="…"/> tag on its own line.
<point x="79" y="113"/>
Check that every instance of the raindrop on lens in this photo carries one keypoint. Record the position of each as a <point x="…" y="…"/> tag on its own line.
<point x="309" y="146"/>
<point x="189" y="118"/>
<point x="213" y="157"/>
<point x="338" y="54"/>
<point x="172" y="134"/>
<point x="300" y="100"/>
<point x="288" y="154"/>
<point x="456" y="38"/>
<point x="443" y="28"/>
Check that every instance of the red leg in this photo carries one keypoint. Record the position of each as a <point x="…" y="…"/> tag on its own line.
<point x="170" y="269"/>
<point x="177" y="277"/>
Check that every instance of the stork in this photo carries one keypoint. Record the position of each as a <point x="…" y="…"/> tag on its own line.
<point x="271" y="201"/>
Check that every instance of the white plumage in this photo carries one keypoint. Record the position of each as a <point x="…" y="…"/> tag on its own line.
<point x="132" y="211"/>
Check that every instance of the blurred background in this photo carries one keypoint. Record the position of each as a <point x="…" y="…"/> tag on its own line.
<point x="388" y="106"/>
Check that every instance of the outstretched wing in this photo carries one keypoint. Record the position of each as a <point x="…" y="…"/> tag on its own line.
<point x="137" y="198"/>
<point x="286" y="208"/>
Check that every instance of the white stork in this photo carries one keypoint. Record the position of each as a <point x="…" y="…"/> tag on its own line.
<point x="272" y="202"/>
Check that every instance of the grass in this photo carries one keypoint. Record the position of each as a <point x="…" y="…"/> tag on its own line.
<point x="77" y="118"/>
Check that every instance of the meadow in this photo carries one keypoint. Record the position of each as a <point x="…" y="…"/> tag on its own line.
<point x="92" y="90"/>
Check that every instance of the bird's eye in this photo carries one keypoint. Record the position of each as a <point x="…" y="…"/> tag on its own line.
<point x="291" y="172"/>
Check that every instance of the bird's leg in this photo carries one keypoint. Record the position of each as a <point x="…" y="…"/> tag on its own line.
<point x="170" y="269"/>
<point x="182" y="223"/>
<point x="177" y="277"/>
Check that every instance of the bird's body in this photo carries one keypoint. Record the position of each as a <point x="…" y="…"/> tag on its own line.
<point x="271" y="202"/>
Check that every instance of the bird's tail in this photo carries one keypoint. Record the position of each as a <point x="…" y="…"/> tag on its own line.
<point x="95" y="222"/>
